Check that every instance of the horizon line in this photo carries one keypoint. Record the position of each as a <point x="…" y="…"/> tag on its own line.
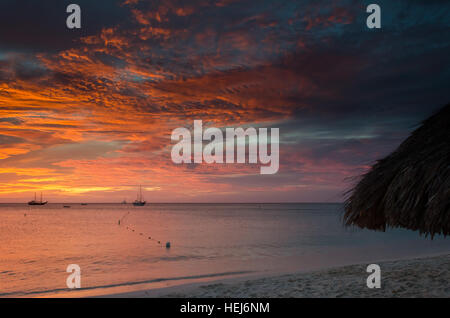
<point x="131" y="202"/>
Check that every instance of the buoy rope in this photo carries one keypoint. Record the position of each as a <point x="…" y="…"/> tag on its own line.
<point x="128" y="227"/>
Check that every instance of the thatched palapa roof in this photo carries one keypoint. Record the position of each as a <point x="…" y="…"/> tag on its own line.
<point x="410" y="188"/>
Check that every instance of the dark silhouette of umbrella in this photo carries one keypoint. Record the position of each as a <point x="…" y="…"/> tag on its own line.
<point x="410" y="188"/>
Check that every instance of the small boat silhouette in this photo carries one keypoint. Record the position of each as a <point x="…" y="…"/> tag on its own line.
<point x="139" y="201"/>
<point x="36" y="202"/>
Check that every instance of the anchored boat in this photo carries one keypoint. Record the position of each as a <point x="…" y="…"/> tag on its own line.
<point x="36" y="202"/>
<point x="139" y="201"/>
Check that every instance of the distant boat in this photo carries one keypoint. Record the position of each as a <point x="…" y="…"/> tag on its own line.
<point x="139" y="201"/>
<point x="36" y="202"/>
<point x="83" y="203"/>
<point x="67" y="206"/>
<point x="124" y="202"/>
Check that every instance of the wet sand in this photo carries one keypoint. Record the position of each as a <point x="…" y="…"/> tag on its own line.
<point x="421" y="277"/>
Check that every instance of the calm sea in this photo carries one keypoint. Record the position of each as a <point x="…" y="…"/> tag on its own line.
<point x="208" y="241"/>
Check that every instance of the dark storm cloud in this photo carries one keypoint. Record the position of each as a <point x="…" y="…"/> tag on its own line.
<point x="110" y="60"/>
<point x="12" y="120"/>
<point x="30" y="26"/>
<point x="385" y="80"/>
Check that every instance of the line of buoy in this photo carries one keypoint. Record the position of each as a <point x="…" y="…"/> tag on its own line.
<point x="168" y="245"/>
<point x="123" y="217"/>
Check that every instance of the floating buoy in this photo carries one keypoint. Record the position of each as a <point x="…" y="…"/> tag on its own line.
<point x="168" y="245"/>
<point x="119" y="222"/>
<point x="149" y="237"/>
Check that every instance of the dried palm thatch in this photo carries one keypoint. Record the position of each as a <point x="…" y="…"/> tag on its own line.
<point x="410" y="188"/>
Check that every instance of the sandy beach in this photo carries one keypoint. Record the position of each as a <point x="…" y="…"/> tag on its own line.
<point x="420" y="277"/>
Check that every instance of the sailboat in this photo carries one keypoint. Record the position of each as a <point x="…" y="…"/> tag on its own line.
<point x="36" y="202"/>
<point x="139" y="201"/>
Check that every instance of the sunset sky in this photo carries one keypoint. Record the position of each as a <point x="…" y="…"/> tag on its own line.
<point x="86" y="115"/>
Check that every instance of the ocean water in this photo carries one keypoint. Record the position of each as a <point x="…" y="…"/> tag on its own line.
<point x="208" y="241"/>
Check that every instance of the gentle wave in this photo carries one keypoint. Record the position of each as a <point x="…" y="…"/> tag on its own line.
<point x="156" y="280"/>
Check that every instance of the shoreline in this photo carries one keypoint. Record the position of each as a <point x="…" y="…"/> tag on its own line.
<point x="427" y="276"/>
